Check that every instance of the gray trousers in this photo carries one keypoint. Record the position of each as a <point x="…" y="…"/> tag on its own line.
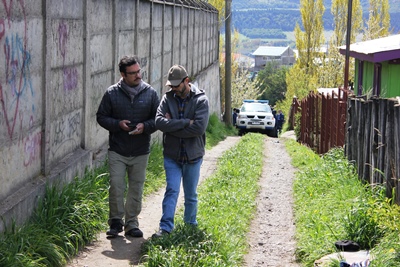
<point x="136" y="169"/>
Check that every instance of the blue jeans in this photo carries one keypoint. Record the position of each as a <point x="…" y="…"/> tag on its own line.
<point x="189" y="174"/>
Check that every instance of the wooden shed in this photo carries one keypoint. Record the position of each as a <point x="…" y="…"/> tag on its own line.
<point x="377" y="66"/>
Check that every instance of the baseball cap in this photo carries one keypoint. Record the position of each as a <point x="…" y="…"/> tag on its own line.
<point x="175" y="75"/>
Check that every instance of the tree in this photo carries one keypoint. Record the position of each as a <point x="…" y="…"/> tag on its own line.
<point x="224" y="6"/>
<point x="378" y="24"/>
<point x="271" y="81"/>
<point x="243" y="88"/>
<point x="303" y="76"/>
<point x="331" y="72"/>
<point x="309" y="42"/>
<point x="297" y="86"/>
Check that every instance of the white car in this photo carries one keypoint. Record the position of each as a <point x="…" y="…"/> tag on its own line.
<point x="256" y="116"/>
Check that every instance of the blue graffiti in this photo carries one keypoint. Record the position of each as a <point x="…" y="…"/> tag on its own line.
<point x="18" y="61"/>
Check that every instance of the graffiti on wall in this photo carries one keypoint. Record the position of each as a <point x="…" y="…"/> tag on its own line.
<point x="66" y="130"/>
<point x="143" y="66"/>
<point x="70" y="74"/>
<point x="16" y="59"/>
<point x="32" y="146"/>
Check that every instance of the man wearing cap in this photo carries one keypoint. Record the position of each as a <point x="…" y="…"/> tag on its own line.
<point x="182" y="116"/>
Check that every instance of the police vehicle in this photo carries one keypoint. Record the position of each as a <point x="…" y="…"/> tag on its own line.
<point x="256" y="116"/>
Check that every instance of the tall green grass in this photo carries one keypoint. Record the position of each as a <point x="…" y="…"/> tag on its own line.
<point x="226" y="207"/>
<point x="69" y="217"/>
<point x="63" y="222"/>
<point x="332" y="204"/>
<point x="217" y="131"/>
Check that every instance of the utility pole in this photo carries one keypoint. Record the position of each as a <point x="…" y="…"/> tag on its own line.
<point x="228" y="63"/>
<point x="348" y="36"/>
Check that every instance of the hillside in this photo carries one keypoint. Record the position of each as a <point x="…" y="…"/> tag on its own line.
<point x="269" y="19"/>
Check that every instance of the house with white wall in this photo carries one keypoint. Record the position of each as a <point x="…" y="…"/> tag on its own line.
<point x="283" y="56"/>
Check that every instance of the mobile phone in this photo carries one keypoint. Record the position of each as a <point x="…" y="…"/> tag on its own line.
<point x="132" y="126"/>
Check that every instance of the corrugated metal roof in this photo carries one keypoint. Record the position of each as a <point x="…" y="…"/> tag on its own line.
<point x="377" y="45"/>
<point x="270" y="51"/>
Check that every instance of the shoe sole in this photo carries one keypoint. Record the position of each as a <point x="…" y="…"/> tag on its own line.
<point x="111" y="234"/>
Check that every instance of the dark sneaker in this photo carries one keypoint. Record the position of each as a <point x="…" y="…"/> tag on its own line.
<point x="115" y="228"/>
<point x="135" y="232"/>
<point x="160" y="233"/>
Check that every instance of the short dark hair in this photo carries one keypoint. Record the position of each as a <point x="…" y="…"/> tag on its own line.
<point x="127" y="61"/>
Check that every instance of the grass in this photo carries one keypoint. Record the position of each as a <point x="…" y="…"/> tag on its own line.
<point x="332" y="204"/>
<point x="226" y="207"/>
<point x="69" y="217"/>
<point x="63" y="222"/>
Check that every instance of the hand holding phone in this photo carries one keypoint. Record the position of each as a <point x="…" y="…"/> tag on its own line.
<point x="132" y="126"/>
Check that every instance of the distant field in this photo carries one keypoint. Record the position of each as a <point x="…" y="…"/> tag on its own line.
<point x="247" y="46"/>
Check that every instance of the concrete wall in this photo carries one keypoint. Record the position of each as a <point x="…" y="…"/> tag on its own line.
<point x="57" y="59"/>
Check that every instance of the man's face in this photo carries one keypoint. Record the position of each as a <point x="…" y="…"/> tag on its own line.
<point x="180" y="89"/>
<point x="132" y="75"/>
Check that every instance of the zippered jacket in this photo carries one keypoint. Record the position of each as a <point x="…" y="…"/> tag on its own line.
<point x="117" y="105"/>
<point x="175" y="129"/>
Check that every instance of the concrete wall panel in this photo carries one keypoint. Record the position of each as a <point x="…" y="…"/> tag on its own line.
<point x="167" y="28"/>
<point x="57" y="59"/>
<point x="65" y="135"/>
<point x="125" y="14"/>
<point x="66" y="91"/>
<point x="20" y="161"/>
<point x="127" y="43"/>
<point x="98" y="85"/>
<point x="67" y="36"/>
<point x="65" y="9"/>
<point x="100" y="17"/>
<point x="101" y="55"/>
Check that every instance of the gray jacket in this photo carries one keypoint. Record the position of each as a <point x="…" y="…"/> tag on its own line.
<point x="117" y="105"/>
<point x="175" y="129"/>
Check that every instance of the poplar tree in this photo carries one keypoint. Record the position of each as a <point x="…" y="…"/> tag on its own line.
<point x="308" y="42"/>
<point x="378" y="24"/>
<point x="331" y="74"/>
<point x="302" y="77"/>
<point x="242" y="88"/>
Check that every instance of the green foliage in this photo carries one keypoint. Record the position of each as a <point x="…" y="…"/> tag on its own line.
<point x="297" y="127"/>
<point x="226" y="205"/>
<point x="378" y="24"/>
<point x="264" y="33"/>
<point x="243" y="88"/>
<point x="332" y="204"/>
<point x="69" y="216"/>
<point x="360" y="226"/>
<point x="217" y="131"/>
<point x="272" y="82"/>
<point x="65" y="220"/>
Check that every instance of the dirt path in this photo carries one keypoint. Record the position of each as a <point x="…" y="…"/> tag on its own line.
<point x="271" y="235"/>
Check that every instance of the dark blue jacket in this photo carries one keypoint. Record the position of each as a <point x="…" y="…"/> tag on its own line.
<point x="116" y="105"/>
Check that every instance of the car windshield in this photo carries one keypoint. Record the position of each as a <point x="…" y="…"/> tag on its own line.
<point x="256" y="107"/>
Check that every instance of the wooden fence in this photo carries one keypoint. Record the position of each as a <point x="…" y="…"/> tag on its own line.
<point x="323" y="118"/>
<point x="369" y="130"/>
<point x="373" y="141"/>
